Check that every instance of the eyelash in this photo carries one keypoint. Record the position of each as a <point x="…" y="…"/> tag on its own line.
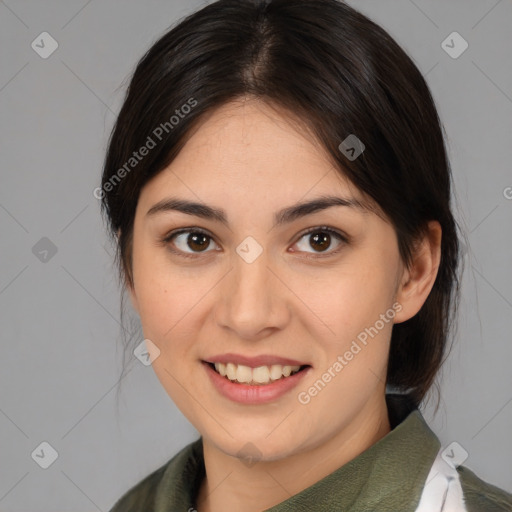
<point x="319" y="229"/>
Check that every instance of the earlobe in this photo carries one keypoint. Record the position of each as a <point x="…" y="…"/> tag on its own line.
<point x="418" y="280"/>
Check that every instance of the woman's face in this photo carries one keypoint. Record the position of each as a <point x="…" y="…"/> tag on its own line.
<point x="256" y="285"/>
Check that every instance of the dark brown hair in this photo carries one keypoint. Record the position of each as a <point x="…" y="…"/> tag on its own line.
<point x="340" y="74"/>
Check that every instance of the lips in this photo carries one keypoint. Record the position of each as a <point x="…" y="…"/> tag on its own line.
<point x="254" y="361"/>
<point x="250" y="393"/>
<point x="254" y="379"/>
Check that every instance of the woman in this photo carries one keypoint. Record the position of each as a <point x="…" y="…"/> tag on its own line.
<point x="278" y="188"/>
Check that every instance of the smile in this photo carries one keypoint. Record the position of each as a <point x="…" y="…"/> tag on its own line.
<point x="261" y="375"/>
<point x="257" y="385"/>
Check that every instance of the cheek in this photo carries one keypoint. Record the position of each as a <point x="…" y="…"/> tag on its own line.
<point x="348" y="299"/>
<point x="355" y="355"/>
<point x="164" y="294"/>
<point x="165" y="308"/>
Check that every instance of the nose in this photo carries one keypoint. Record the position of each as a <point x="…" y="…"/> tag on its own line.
<point x="253" y="300"/>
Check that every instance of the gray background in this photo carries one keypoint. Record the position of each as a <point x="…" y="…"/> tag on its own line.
<point x="59" y="318"/>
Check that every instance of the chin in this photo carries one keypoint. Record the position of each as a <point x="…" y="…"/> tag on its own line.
<point x="257" y="448"/>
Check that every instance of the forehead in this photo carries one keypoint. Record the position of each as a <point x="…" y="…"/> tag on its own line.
<point x="253" y="153"/>
<point x="251" y="135"/>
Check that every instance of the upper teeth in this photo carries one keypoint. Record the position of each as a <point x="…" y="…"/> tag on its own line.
<point x="259" y="375"/>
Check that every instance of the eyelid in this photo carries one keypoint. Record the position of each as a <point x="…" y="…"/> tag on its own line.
<point x="334" y="231"/>
<point x="179" y="231"/>
<point x="340" y="235"/>
<point x="166" y="240"/>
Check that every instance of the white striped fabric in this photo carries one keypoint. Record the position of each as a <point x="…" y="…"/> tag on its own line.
<point x="443" y="490"/>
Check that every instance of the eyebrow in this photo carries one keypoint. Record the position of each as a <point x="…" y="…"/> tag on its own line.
<point x="284" y="216"/>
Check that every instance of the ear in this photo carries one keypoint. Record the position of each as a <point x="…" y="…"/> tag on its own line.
<point x="417" y="280"/>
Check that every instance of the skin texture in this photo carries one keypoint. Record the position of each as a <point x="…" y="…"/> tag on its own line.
<point x="295" y="300"/>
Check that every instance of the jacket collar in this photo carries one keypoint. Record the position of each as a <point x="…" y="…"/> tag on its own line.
<point x="389" y="475"/>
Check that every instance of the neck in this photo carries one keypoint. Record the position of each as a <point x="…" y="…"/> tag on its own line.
<point x="231" y="485"/>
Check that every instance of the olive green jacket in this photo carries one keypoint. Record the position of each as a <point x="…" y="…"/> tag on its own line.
<point x="405" y="471"/>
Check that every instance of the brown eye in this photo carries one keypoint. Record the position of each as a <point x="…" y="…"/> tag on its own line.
<point x="189" y="241"/>
<point x="320" y="240"/>
<point x="198" y="241"/>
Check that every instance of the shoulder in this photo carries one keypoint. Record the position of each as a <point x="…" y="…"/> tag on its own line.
<point x="481" y="496"/>
<point x="141" y="496"/>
